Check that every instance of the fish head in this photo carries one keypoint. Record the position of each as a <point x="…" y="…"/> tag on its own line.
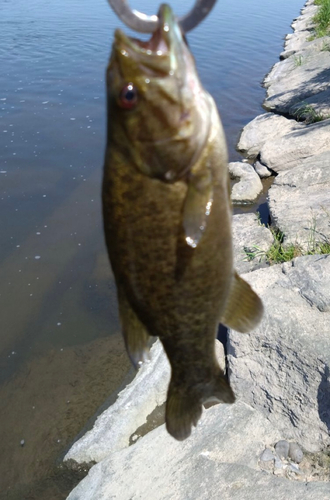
<point x="158" y="111"/>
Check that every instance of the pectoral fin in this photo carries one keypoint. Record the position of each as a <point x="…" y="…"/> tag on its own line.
<point x="244" y="308"/>
<point x="135" y="335"/>
<point x="197" y="207"/>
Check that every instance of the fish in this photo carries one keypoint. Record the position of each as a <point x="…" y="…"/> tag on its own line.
<point x="167" y="218"/>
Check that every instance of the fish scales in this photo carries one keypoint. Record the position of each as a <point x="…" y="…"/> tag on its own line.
<point x="167" y="219"/>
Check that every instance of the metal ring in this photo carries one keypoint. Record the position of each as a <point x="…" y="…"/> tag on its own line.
<point x="148" y="24"/>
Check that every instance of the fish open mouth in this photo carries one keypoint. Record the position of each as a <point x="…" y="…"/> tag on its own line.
<point x="161" y="40"/>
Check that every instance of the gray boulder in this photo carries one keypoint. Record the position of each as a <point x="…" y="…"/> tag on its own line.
<point x="251" y="240"/>
<point x="299" y="202"/>
<point x="303" y="75"/>
<point x="288" y="150"/>
<point x="263" y="129"/>
<point x="219" y="460"/>
<point x="249" y="186"/>
<point x="282" y="368"/>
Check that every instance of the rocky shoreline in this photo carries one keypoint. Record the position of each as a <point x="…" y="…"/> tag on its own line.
<point x="275" y="439"/>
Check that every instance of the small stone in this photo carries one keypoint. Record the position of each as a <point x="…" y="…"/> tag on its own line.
<point x="249" y="186"/>
<point x="295" y="453"/>
<point x="282" y="449"/>
<point x="279" y="464"/>
<point x="267" y="466"/>
<point x="267" y="455"/>
<point x="261" y="170"/>
<point x="295" y="468"/>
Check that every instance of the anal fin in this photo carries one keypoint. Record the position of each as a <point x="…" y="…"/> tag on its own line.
<point x="244" y="308"/>
<point x="135" y="334"/>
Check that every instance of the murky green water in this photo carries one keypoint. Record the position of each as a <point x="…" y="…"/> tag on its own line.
<point x="60" y="350"/>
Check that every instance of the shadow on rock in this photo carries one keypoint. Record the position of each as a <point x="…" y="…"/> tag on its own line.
<point x="323" y="397"/>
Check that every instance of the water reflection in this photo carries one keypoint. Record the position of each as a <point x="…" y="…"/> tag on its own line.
<point x="59" y="325"/>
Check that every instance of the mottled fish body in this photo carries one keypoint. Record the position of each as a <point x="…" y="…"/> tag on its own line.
<point x="167" y="218"/>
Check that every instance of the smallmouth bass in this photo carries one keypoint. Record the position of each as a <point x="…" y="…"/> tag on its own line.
<point x="167" y="218"/>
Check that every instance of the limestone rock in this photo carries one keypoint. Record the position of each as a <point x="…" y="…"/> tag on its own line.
<point x="249" y="186"/>
<point x="282" y="368"/>
<point x="302" y="26"/>
<point x="219" y="460"/>
<point x="264" y="128"/>
<point x="303" y="75"/>
<point x="300" y="82"/>
<point x="251" y="241"/>
<point x="299" y="202"/>
<point x="287" y="151"/>
<point x="261" y="170"/>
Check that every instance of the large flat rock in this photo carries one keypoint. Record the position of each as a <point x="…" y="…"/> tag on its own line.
<point x="299" y="202"/>
<point x="282" y="143"/>
<point x="219" y="460"/>
<point x="264" y="128"/>
<point x="302" y="76"/>
<point x="282" y="368"/>
<point x="289" y="150"/>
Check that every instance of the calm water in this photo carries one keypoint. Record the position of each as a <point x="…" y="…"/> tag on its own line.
<point x="60" y="352"/>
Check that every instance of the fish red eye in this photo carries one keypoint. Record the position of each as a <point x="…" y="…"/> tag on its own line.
<point x="128" y="96"/>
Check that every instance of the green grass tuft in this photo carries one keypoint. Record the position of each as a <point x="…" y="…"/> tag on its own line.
<point x="322" y="18"/>
<point x="308" y="114"/>
<point x="298" y="60"/>
<point x="279" y="253"/>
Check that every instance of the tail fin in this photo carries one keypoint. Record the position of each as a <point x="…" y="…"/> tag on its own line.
<point x="184" y="404"/>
